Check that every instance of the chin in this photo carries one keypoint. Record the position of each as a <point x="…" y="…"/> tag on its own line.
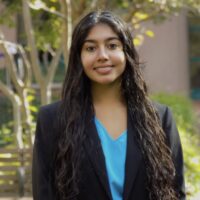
<point x="105" y="81"/>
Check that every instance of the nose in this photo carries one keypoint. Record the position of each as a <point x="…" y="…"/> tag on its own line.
<point x="102" y="54"/>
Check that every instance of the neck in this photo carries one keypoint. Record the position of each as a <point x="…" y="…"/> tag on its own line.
<point x="107" y="94"/>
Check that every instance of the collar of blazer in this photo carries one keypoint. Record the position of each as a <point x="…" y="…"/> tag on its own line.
<point x="96" y="156"/>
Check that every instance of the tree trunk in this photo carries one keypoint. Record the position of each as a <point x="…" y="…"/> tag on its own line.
<point x="67" y="28"/>
<point x="44" y="81"/>
<point x="20" y="86"/>
<point x="16" y="103"/>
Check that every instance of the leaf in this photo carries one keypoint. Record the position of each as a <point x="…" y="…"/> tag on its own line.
<point x="138" y="40"/>
<point x="136" y="26"/>
<point x="125" y="4"/>
<point x="141" y="16"/>
<point x="33" y="108"/>
<point x="53" y="8"/>
<point x="150" y="33"/>
<point x="30" y="98"/>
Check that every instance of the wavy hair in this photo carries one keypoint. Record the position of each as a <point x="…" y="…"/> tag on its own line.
<point x="76" y="102"/>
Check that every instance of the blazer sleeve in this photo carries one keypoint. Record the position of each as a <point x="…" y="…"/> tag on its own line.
<point x="41" y="178"/>
<point x="173" y="138"/>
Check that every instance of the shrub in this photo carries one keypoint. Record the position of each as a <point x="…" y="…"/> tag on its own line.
<point x="190" y="138"/>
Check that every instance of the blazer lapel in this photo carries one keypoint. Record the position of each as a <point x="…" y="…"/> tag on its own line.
<point x="96" y="156"/>
<point x="133" y="160"/>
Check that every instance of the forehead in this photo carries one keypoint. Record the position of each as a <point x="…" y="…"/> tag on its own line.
<point x="101" y="32"/>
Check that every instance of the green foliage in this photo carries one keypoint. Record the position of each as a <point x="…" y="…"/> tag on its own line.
<point x="6" y="124"/>
<point x="181" y="107"/>
<point x="5" y="110"/>
<point x="47" y="20"/>
<point x="3" y="74"/>
<point x="47" y="26"/>
<point x="6" y="134"/>
<point x="7" y="137"/>
<point x="31" y="98"/>
<point x="190" y="137"/>
<point x="10" y="8"/>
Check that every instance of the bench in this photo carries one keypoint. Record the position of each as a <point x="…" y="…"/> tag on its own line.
<point x="15" y="172"/>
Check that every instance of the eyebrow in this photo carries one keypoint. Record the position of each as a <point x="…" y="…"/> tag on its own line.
<point x="108" y="39"/>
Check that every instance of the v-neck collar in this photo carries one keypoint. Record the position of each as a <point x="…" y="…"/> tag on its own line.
<point x="95" y="153"/>
<point x="107" y="133"/>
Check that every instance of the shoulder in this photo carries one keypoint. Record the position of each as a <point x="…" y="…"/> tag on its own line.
<point x="47" y="121"/>
<point x="164" y="113"/>
<point x="48" y="113"/>
<point x="160" y="108"/>
<point x="50" y="109"/>
<point x="46" y="130"/>
<point x="168" y="124"/>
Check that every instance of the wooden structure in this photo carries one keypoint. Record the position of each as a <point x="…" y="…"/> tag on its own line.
<point x="15" y="172"/>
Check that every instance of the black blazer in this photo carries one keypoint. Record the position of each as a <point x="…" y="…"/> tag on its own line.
<point x="94" y="182"/>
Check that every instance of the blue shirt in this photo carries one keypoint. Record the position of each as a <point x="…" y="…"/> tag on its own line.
<point x="115" y="155"/>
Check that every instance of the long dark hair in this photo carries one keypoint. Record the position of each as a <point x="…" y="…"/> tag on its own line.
<point x="76" y="103"/>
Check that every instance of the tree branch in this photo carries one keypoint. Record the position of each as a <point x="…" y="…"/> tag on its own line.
<point x="67" y="28"/>
<point x="27" y="67"/>
<point x="45" y="8"/>
<point x="31" y="42"/>
<point x="11" y="67"/>
<point x="16" y="103"/>
<point x="53" y="66"/>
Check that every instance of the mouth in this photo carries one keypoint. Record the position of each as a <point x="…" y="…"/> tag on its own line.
<point x="103" y="70"/>
<point x="103" y="67"/>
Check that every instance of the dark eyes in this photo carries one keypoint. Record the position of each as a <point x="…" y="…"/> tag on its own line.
<point x="113" y="46"/>
<point x="90" y="48"/>
<point x="110" y="46"/>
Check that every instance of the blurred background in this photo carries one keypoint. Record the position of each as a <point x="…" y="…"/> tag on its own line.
<point x="35" y="38"/>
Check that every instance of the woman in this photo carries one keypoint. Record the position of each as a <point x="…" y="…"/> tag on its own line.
<point x="105" y="139"/>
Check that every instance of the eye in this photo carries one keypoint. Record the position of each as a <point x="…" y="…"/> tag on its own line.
<point x="90" y="48"/>
<point x="113" y="46"/>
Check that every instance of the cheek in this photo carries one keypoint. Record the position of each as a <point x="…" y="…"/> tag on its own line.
<point x="87" y="61"/>
<point x="120" y="58"/>
<point x="82" y="60"/>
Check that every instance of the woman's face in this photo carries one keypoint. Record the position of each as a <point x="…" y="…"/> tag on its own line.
<point x="102" y="55"/>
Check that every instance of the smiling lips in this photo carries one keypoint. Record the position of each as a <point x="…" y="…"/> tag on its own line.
<point x="103" y="69"/>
